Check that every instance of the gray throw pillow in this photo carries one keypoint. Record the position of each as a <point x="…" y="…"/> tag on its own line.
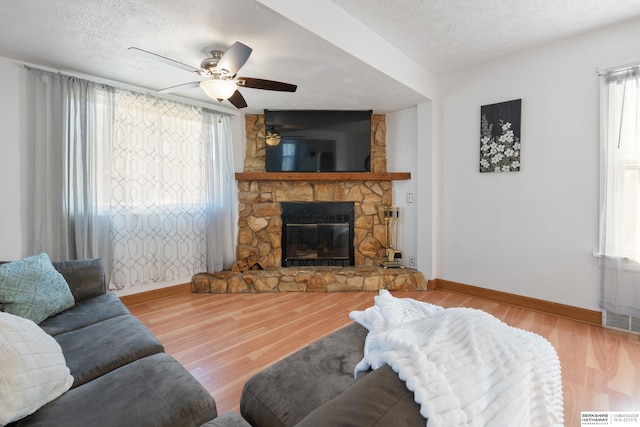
<point x="32" y="288"/>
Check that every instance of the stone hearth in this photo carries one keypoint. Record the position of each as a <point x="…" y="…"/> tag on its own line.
<point x="310" y="279"/>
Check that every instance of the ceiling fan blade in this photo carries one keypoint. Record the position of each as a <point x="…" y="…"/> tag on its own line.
<point x="238" y="100"/>
<point x="182" y="86"/>
<point x="166" y="60"/>
<point x="265" y="84"/>
<point x="234" y="58"/>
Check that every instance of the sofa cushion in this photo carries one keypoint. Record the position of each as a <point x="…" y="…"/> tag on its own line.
<point x="94" y="350"/>
<point x="32" y="368"/>
<point x="86" y="278"/>
<point x="85" y="313"/>
<point x="32" y="288"/>
<point x="228" y="419"/>
<point x="379" y="399"/>
<point x="287" y="391"/>
<point x="153" y="391"/>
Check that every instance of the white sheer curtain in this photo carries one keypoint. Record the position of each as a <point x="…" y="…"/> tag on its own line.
<point x="222" y="192"/>
<point x="64" y="219"/>
<point x="620" y="191"/>
<point x="145" y="183"/>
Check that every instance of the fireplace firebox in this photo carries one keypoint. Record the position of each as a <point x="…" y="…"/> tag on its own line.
<point x="317" y="234"/>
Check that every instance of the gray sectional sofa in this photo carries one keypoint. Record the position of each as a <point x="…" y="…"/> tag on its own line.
<point x="122" y="377"/>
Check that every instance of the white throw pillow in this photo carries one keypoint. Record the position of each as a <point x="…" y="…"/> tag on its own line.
<point x="33" y="371"/>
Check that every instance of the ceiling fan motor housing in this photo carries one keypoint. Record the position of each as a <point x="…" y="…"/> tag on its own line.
<point x="210" y="64"/>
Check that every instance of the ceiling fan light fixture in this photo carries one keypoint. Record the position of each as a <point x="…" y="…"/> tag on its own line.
<point x="272" y="137"/>
<point x="218" y="89"/>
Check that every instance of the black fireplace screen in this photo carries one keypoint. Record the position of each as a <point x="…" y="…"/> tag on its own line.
<point x="317" y="234"/>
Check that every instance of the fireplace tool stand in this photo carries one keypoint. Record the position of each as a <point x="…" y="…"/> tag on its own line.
<point x="391" y="255"/>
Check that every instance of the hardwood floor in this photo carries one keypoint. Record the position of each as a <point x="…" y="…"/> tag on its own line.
<point x="224" y="339"/>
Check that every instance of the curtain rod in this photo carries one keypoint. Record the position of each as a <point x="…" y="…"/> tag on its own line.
<point x="133" y="88"/>
<point x="604" y="70"/>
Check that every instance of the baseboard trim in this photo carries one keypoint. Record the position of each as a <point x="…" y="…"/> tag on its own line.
<point x="143" y="297"/>
<point x="561" y="310"/>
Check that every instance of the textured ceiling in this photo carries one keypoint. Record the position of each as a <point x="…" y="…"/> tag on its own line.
<point x="91" y="38"/>
<point x="446" y="35"/>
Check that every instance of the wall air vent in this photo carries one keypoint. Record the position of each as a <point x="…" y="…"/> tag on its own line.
<point x="621" y="322"/>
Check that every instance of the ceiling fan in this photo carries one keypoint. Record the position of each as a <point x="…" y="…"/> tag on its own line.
<point x="220" y="73"/>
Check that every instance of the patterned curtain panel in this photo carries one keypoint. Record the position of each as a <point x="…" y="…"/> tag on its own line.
<point x="158" y="203"/>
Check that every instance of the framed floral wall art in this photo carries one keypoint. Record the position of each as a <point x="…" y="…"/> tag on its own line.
<point x="500" y="136"/>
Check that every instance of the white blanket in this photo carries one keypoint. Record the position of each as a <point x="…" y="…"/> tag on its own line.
<point x="465" y="367"/>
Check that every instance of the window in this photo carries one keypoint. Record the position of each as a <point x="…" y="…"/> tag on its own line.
<point x="621" y="165"/>
<point x="288" y="156"/>
<point x="157" y="187"/>
<point x="144" y="183"/>
<point x="620" y="192"/>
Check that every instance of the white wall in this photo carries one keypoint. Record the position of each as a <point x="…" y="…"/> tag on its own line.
<point x="410" y="149"/>
<point x="426" y="232"/>
<point x="401" y="157"/>
<point x="531" y="232"/>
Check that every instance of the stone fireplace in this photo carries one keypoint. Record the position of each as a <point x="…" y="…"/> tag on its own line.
<point x="260" y="200"/>
<point x="260" y="223"/>
<point x="317" y="234"/>
<point x="261" y="196"/>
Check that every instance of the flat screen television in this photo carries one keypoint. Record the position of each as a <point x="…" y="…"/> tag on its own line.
<point x="319" y="141"/>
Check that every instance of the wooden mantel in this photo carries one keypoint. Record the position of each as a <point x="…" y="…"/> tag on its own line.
<point x="322" y="176"/>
